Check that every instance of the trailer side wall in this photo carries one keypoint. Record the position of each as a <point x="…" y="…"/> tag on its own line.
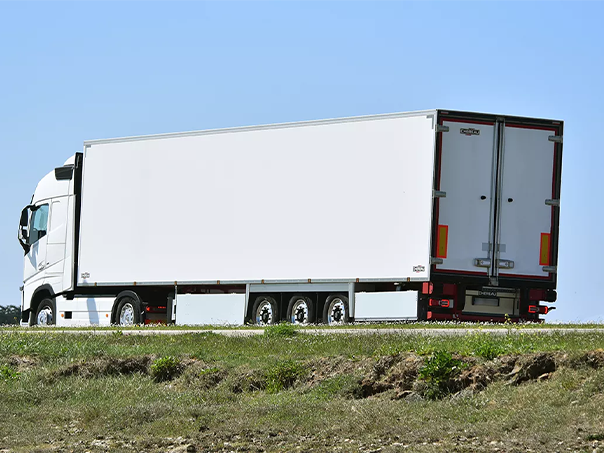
<point x="326" y="201"/>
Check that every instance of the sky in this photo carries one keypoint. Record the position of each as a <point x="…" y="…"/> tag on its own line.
<point x="71" y="72"/>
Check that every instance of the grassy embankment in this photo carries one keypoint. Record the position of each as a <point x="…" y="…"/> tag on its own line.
<point x="297" y="392"/>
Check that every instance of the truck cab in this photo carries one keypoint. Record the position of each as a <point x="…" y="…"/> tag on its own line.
<point x="46" y="235"/>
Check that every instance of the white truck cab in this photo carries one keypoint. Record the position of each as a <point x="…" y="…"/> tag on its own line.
<point x="46" y="235"/>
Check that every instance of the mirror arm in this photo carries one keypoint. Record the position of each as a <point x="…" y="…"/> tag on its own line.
<point x="25" y="245"/>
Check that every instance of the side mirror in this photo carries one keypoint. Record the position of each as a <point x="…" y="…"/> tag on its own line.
<point x="24" y="218"/>
<point x="23" y="233"/>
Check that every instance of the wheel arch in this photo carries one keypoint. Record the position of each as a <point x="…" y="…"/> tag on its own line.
<point x="120" y="296"/>
<point x="42" y="292"/>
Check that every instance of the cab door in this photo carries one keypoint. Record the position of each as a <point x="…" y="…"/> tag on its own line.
<point x="35" y="259"/>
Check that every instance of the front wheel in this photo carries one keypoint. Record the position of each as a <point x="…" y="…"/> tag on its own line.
<point x="336" y="311"/>
<point x="45" y="314"/>
<point x="128" y="312"/>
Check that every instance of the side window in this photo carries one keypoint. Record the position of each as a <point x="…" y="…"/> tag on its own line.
<point x="38" y="224"/>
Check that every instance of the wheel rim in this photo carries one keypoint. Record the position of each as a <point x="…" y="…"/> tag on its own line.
<point x="127" y="315"/>
<point x="300" y="312"/>
<point x="337" y="312"/>
<point x="264" y="313"/>
<point x="45" y="317"/>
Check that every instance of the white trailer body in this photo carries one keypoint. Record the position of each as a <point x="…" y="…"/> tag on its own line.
<point x="311" y="201"/>
<point x="429" y="215"/>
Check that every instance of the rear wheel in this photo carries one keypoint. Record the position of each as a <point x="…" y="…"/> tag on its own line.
<point x="45" y="314"/>
<point x="301" y="310"/>
<point x="336" y="311"/>
<point x="265" y="311"/>
<point x="128" y="312"/>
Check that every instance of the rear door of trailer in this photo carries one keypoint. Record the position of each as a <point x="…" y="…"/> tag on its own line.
<point x="499" y="219"/>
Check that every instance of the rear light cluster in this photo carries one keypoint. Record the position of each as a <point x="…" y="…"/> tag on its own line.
<point x="444" y="303"/>
<point x="540" y="309"/>
<point x="158" y="309"/>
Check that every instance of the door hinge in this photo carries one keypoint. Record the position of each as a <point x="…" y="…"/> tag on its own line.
<point x="436" y="260"/>
<point x="482" y="262"/>
<point x="552" y="202"/>
<point x="550" y="269"/>
<point x="441" y="128"/>
<point x="555" y="138"/>
<point x="439" y="194"/>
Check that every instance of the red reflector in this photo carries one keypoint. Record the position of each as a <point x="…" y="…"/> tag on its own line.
<point x="533" y="309"/>
<point x="543" y="310"/>
<point x="147" y="308"/>
<point x="444" y="303"/>
<point x="537" y="294"/>
<point x="434" y="303"/>
<point x="427" y="288"/>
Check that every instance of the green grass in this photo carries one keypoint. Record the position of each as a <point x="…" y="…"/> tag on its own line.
<point x="365" y="325"/>
<point x="271" y="393"/>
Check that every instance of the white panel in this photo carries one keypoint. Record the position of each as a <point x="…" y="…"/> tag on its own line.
<point x="342" y="200"/>
<point x="202" y="309"/>
<point x="466" y="176"/>
<point x="69" y="242"/>
<point x="528" y="168"/>
<point x="55" y="250"/>
<point x="387" y="305"/>
<point x="85" y="311"/>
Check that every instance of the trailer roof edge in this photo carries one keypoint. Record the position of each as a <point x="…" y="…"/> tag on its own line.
<point x="261" y="127"/>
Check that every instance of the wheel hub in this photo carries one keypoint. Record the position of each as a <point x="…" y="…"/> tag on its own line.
<point x="45" y="317"/>
<point x="300" y="312"/>
<point x="264" y="313"/>
<point x="127" y="315"/>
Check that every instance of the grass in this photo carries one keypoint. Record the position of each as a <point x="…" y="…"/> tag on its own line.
<point x="277" y="392"/>
<point x="360" y="325"/>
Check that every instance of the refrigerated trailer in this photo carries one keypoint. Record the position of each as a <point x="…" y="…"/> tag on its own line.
<point x="429" y="215"/>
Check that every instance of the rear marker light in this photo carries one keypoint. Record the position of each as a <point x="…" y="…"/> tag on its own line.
<point x="533" y="309"/>
<point x="445" y="303"/>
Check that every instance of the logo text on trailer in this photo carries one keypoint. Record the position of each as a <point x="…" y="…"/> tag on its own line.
<point x="469" y="131"/>
<point x="419" y="268"/>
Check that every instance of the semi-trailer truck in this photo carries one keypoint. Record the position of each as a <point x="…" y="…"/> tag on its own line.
<point x="428" y="215"/>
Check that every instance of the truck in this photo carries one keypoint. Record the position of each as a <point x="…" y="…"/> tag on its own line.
<point x="434" y="215"/>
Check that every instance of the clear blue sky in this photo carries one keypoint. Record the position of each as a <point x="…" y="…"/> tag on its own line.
<point x="76" y="71"/>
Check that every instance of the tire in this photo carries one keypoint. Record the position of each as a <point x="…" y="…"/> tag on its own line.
<point x="301" y="310"/>
<point x="46" y="314"/>
<point x="335" y="311"/>
<point x="129" y="312"/>
<point x="265" y="311"/>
